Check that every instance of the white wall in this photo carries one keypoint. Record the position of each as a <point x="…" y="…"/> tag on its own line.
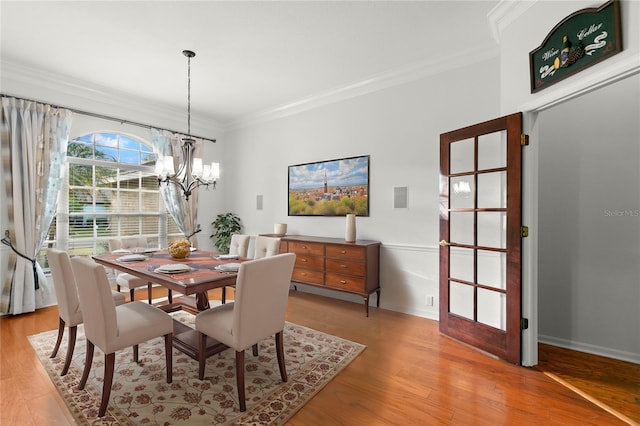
<point x="399" y="128"/>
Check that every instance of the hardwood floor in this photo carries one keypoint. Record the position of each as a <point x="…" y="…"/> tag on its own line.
<point x="611" y="384"/>
<point x="408" y="375"/>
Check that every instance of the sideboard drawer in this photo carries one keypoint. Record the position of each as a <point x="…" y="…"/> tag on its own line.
<point x="345" y="252"/>
<point x="344" y="282"/>
<point x="311" y="262"/>
<point x="345" y="267"/>
<point x="315" y="249"/>
<point x="308" y="276"/>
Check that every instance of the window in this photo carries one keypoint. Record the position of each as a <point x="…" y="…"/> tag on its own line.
<point x="111" y="191"/>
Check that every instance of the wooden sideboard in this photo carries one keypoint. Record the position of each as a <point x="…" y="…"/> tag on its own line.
<point x="334" y="264"/>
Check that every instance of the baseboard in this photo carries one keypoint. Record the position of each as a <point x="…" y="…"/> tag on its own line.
<point x="590" y="349"/>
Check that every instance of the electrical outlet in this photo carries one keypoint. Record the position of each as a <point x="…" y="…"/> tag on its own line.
<point x="429" y="300"/>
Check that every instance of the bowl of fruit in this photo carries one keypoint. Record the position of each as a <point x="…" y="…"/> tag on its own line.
<point x="180" y="249"/>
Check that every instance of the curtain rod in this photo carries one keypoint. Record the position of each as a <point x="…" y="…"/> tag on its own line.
<point x="106" y="117"/>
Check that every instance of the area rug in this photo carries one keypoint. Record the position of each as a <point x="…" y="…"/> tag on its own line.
<point x="141" y="395"/>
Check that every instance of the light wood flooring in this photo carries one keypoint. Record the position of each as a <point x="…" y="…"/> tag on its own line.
<point x="408" y="375"/>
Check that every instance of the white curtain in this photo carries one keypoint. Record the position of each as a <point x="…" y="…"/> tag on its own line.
<point x="34" y="151"/>
<point x="183" y="212"/>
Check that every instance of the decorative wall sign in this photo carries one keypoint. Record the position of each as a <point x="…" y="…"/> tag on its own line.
<point x="580" y="40"/>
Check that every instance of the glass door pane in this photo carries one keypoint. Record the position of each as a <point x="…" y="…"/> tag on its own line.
<point x="492" y="190"/>
<point x="461" y="192"/>
<point x="461" y="227"/>
<point x="461" y="300"/>
<point x="492" y="229"/>
<point x="492" y="150"/>
<point x="492" y="308"/>
<point x="492" y="269"/>
<point x="462" y="156"/>
<point x="461" y="264"/>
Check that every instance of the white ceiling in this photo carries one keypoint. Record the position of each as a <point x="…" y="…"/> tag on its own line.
<point x="251" y="57"/>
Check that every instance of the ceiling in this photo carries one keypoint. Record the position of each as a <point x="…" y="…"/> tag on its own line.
<point x="251" y="57"/>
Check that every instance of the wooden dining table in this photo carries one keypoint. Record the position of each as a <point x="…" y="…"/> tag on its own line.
<point x="193" y="284"/>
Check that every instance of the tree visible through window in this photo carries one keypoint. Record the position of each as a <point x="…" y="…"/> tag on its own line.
<point x="111" y="192"/>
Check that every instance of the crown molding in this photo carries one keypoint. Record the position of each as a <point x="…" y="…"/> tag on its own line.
<point x="374" y="83"/>
<point x="504" y="13"/>
<point x="23" y="81"/>
<point x="51" y="87"/>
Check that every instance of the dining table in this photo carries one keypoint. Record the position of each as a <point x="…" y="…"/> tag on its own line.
<point x="192" y="277"/>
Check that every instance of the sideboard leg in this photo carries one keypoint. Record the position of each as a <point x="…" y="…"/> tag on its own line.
<point x="366" y="305"/>
<point x="378" y="298"/>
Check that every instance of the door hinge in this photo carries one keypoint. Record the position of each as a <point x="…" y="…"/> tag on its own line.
<point x="524" y="323"/>
<point x="524" y="231"/>
<point x="524" y="140"/>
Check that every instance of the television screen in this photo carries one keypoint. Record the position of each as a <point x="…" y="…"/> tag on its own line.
<point x="330" y="188"/>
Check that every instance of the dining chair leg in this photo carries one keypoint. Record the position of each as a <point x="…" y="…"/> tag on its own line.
<point x="202" y="356"/>
<point x="224" y="295"/>
<point x="109" y="367"/>
<point x="240" y="379"/>
<point x="280" y="354"/>
<point x="255" y="349"/>
<point x="168" y="354"/>
<point x="169" y="296"/>
<point x="118" y="287"/>
<point x="149" y="293"/>
<point x="131" y="293"/>
<point x="59" y="340"/>
<point x="73" y="331"/>
<point x="87" y="365"/>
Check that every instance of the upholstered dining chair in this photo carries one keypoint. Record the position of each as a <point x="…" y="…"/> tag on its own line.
<point x="239" y="245"/>
<point x="128" y="281"/>
<point x="112" y="327"/>
<point x="258" y="311"/>
<point x="266" y="246"/>
<point x="64" y="283"/>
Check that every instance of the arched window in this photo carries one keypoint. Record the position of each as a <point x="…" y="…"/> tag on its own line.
<point x="112" y="191"/>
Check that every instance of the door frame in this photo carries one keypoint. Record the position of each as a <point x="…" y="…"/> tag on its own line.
<point x="529" y="248"/>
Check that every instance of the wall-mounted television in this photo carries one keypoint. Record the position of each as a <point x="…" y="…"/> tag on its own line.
<point x="330" y="188"/>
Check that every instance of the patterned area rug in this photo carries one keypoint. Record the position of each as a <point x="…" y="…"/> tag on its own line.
<point x="141" y="395"/>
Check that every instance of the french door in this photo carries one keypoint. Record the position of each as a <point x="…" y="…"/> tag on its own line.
<point x="480" y="233"/>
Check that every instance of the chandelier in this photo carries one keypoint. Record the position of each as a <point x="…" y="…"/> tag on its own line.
<point x="191" y="173"/>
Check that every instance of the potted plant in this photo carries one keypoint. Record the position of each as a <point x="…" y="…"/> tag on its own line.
<point x="225" y="225"/>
